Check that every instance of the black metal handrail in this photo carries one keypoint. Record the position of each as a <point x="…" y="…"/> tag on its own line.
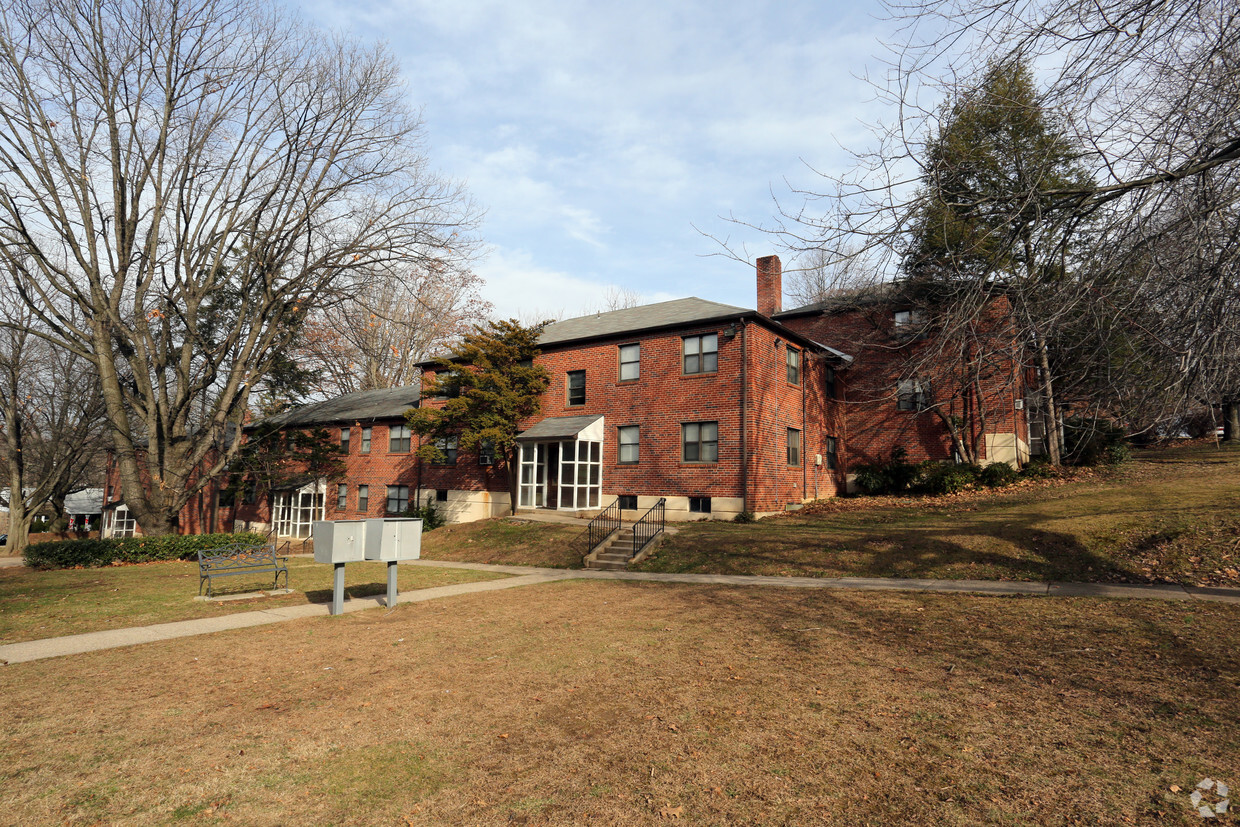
<point x="601" y="527"/>
<point x="649" y="526"/>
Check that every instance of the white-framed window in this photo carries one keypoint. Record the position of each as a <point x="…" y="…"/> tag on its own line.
<point x="628" y="440"/>
<point x="366" y="440"/>
<point x="831" y="448"/>
<point x="699" y="442"/>
<point x="363" y="498"/>
<point x="342" y="497"/>
<point x="123" y="523"/>
<point x="630" y="362"/>
<point x="344" y="440"/>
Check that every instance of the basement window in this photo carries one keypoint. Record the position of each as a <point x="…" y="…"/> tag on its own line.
<point x="699" y="505"/>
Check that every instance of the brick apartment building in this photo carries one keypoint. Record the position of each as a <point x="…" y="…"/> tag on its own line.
<point x="718" y="409"/>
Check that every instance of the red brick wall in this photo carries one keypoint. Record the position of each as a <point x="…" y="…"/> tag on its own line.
<point x="882" y="358"/>
<point x="663" y="398"/>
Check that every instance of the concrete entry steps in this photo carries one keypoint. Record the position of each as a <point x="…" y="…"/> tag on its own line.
<point x="613" y="553"/>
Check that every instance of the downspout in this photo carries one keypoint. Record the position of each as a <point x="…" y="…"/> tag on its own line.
<point x="744" y="418"/>
<point x="418" y="464"/>
<point x="804" y="430"/>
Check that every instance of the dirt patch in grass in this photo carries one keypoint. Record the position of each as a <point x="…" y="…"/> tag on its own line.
<point x="1171" y="516"/>
<point x="505" y="541"/>
<point x="42" y="604"/>
<point x="621" y="703"/>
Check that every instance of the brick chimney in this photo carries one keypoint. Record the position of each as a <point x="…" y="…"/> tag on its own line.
<point x="770" y="285"/>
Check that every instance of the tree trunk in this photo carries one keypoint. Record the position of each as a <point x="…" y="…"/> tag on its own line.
<point x="19" y="528"/>
<point x="514" y="474"/>
<point x="1049" y="414"/>
<point x="1231" y="420"/>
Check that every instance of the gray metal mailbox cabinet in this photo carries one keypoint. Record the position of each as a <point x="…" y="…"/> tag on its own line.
<point x="397" y="538"/>
<point x="339" y="541"/>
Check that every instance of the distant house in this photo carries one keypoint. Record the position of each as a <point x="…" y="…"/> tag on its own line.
<point x="718" y="409"/>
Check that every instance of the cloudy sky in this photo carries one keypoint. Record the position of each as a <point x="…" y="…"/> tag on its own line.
<point x="603" y="140"/>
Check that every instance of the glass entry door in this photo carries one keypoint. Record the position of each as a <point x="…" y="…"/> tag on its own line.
<point x="533" y="483"/>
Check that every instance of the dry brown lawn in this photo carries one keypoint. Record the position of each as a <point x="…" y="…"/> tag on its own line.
<point x="625" y="703"/>
<point x="1170" y="516"/>
<point x="508" y="542"/>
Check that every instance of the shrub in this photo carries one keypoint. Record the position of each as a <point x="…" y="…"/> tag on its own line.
<point x="997" y="475"/>
<point x="87" y="553"/>
<point x="1039" y="468"/>
<point x="891" y="477"/>
<point x="745" y="517"/>
<point x="1094" y="442"/>
<point x="949" y="479"/>
<point x="428" y="514"/>
<point x="872" y="479"/>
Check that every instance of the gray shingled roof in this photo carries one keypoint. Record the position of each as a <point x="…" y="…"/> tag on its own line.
<point x="385" y="403"/>
<point x="633" y="319"/>
<point x="559" y="427"/>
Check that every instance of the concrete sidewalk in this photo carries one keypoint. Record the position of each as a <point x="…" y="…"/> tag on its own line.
<point x="530" y="576"/>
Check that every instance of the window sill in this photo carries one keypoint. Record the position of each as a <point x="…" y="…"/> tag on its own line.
<point x="699" y="375"/>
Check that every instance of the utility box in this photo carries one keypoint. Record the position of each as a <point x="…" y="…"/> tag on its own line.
<point x="396" y="538"/>
<point x="340" y="541"/>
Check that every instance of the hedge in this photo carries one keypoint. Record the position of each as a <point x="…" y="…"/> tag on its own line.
<point x="68" y="554"/>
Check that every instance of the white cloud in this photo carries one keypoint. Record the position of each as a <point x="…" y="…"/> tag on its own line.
<point x="598" y="135"/>
<point x="520" y="288"/>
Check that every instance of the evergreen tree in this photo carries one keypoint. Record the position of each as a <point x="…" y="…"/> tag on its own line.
<point x="988" y="221"/>
<point x="490" y="384"/>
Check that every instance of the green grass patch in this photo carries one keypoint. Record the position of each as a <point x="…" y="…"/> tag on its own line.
<point x="43" y="604"/>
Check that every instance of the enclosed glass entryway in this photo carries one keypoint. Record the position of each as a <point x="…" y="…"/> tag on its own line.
<point x="561" y="464"/>
<point x="567" y="476"/>
<point x="292" y="512"/>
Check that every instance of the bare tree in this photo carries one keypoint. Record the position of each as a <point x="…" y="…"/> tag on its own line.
<point x="378" y="334"/>
<point x="195" y="177"/>
<point x="51" y="423"/>
<point x="1147" y="96"/>
<point x="820" y="275"/>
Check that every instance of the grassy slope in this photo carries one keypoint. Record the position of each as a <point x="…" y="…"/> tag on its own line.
<point x="42" y="604"/>
<point x="621" y="703"/>
<point x="506" y="542"/>
<point x="1171" y="516"/>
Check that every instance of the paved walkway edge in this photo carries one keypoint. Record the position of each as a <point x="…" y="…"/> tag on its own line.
<point x="531" y="576"/>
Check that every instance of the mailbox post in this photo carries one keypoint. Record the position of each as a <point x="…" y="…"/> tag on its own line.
<point x="392" y="540"/>
<point x="339" y="542"/>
